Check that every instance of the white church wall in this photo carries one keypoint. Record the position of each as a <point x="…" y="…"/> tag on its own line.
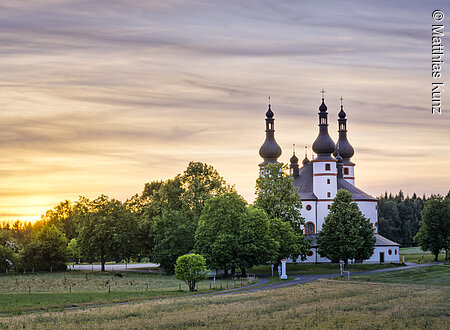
<point x="321" y="175"/>
<point x="350" y="177"/>
<point x="309" y="215"/>
<point x="369" y="210"/>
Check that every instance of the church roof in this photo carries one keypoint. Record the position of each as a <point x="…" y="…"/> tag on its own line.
<point x="358" y="194"/>
<point x="380" y="240"/>
<point x="304" y="183"/>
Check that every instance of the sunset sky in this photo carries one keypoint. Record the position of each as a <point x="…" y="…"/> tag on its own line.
<point x="103" y="96"/>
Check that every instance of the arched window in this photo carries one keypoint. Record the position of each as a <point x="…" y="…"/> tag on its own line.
<point x="309" y="228"/>
<point x="310" y="253"/>
<point x="389" y="251"/>
<point x="328" y="206"/>
<point x="346" y="170"/>
<point x="327" y="167"/>
<point x="328" y="181"/>
<point x="328" y="194"/>
<point x="308" y="207"/>
<point x="395" y="251"/>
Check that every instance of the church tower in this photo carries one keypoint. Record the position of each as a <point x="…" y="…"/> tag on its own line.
<point x="270" y="150"/>
<point x="344" y="148"/>
<point x="324" y="167"/>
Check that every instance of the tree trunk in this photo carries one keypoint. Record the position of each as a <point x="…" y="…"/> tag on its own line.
<point x="244" y="273"/>
<point x="191" y="286"/>
<point x="233" y="271"/>
<point x="436" y="256"/>
<point x="225" y="272"/>
<point x="102" y="260"/>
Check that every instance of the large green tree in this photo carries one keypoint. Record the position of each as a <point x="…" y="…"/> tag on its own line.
<point x="201" y="182"/>
<point x="107" y="231"/>
<point x="346" y="233"/>
<point x="46" y="251"/>
<point x="434" y="232"/>
<point x="289" y="243"/>
<point x="276" y="194"/>
<point x="230" y="235"/>
<point x="173" y="235"/>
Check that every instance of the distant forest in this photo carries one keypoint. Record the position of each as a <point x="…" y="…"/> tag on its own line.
<point x="399" y="217"/>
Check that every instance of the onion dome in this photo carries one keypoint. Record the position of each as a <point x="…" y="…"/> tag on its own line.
<point x="269" y="113"/>
<point x="345" y="149"/>
<point x="305" y="160"/>
<point x="323" y="146"/>
<point x="294" y="159"/>
<point x="270" y="150"/>
<point x="323" y="106"/>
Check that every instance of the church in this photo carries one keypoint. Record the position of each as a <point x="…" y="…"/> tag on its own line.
<point x="319" y="179"/>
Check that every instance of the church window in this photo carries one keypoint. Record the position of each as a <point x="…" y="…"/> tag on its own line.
<point x="308" y="207"/>
<point x="346" y="170"/>
<point x="328" y="194"/>
<point x="389" y="251"/>
<point x="328" y="181"/>
<point x="395" y="251"/>
<point x="310" y="253"/>
<point x="327" y="167"/>
<point x="329" y="206"/>
<point x="309" y="228"/>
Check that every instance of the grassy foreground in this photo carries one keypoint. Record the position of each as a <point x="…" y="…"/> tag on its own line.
<point x="317" y="305"/>
<point x="43" y="291"/>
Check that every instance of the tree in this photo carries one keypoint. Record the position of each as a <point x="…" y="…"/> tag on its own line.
<point x="9" y="249"/>
<point x="289" y="243"/>
<point x="201" y="182"/>
<point x="174" y="236"/>
<point x="47" y="250"/>
<point x="108" y="231"/>
<point x="231" y="235"/>
<point x="346" y="233"/>
<point x="73" y="250"/>
<point x="256" y="246"/>
<point x="63" y="216"/>
<point x="217" y="235"/>
<point x="434" y="232"/>
<point x="278" y="197"/>
<point x="191" y="268"/>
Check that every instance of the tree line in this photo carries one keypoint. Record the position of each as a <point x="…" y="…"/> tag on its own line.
<point x="194" y="212"/>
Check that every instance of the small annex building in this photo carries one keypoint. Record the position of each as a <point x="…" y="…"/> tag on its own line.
<point x="319" y="179"/>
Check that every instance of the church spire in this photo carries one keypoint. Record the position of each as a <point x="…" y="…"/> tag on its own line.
<point x="343" y="147"/>
<point x="305" y="160"/>
<point x="270" y="150"/>
<point x="323" y="146"/>
<point x="294" y="163"/>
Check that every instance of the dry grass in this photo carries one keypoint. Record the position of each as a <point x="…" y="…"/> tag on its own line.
<point x="317" y="305"/>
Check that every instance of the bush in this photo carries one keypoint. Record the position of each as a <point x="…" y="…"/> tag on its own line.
<point x="191" y="268"/>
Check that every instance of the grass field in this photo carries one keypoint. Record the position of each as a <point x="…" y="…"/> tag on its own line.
<point x="314" y="269"/>
<point x="41" y="291"/>
<point x="438" y="275"/>
<point x="317" y="305"/>
<point x="416" y="255"/>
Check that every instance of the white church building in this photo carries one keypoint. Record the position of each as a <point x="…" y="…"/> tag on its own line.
<point x="319" y="179"/>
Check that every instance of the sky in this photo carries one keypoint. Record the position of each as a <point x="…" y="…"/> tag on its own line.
<point x="99" y="97"/>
